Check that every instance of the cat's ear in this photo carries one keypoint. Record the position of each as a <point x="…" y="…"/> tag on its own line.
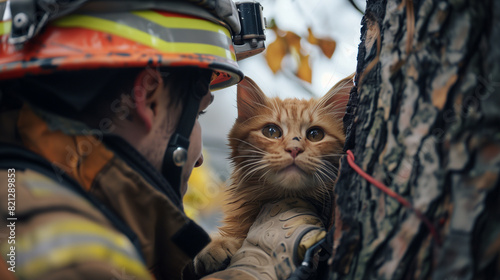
<point x="250" y="98"/>
<point x="337" y="97"/>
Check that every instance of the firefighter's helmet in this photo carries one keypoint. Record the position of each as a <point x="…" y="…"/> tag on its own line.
<point x="46" y="36"/>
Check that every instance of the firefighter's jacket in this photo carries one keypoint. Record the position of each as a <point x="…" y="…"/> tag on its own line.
<point x="85" y="206"/>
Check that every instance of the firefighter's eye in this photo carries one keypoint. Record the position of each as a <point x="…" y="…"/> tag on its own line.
<point x="202" y="113"/>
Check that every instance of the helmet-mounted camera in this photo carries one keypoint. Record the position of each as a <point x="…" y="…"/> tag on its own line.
<point x="250" y="40"/>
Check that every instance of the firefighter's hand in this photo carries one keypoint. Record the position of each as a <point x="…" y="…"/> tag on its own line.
<point x="276" y="242"/>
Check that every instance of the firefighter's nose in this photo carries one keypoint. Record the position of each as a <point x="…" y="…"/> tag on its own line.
<point x="199" y="162"/>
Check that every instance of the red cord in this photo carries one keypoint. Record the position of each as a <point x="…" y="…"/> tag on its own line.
<point x="391" y="193"/>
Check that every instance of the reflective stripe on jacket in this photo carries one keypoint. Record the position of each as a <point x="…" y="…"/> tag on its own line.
<point x="56" y="229"/>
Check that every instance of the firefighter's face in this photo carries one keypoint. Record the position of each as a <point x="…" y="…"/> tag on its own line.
<point x="165" y="127"/>
<point x="153" y="120"/>
<point x="195" y="155"/>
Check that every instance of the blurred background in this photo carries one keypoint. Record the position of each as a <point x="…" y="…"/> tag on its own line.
<point x="311" y="45"/>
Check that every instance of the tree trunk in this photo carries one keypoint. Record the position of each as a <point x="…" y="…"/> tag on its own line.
<point x="424" y="120"/>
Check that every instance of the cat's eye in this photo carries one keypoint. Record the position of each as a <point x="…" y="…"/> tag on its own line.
<point x="315" y="134"/>
<point x="272" y="131"/>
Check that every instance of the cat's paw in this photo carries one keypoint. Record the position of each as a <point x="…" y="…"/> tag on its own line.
<point x="217" y="255"/>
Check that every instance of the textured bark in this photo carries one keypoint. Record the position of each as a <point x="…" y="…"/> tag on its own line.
<point x="424" y="119"/>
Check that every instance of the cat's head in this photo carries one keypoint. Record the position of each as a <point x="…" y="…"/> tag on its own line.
<point x="290" y="146"/>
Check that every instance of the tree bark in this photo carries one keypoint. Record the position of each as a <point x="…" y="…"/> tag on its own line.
<point x="424" y="119"/>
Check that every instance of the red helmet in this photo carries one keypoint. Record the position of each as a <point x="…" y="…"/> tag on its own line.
<point x="78" y="34"/>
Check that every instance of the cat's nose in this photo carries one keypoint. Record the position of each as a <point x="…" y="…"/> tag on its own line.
<point x="294" y="151"/>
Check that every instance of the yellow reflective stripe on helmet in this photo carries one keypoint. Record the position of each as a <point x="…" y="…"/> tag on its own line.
<point x="142" y="37"/>
<point x="57" y="245"/>
<point x="173" y="35"/>
<point x="5" y="27"/>
<point x="180" y="22"/>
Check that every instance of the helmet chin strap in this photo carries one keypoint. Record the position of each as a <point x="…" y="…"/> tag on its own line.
<point x="176" y="154"/>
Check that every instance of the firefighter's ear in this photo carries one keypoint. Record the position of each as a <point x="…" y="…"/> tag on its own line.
<point x="148" y="87"/>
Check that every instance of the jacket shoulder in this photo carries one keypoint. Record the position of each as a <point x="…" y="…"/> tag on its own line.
<point x="58" y="234"/>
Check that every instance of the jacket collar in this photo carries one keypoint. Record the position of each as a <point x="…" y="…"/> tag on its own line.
<point x="77" y="149"/>
<point x="136" y="161"/>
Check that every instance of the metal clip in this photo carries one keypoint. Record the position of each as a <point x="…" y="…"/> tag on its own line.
<point x="23" y="21"/>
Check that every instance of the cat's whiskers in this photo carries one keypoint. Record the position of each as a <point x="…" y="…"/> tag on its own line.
<point x="329" y="165"/>
<point x="327" y="174"/>
<point x="320" y="180"/>
<point x="328" y="158"/>
<point x="247" y="164"/>
<point x="246" y="168"/>
<point x="247" y="156"/>
<point x="322" y="174"/>
<point x="249" y="144"/>
<point x="251" y="168"/>
<point x="324" y="171"/>
<point x="252" y="171"/>
<point x="331" y="155"/>
<point x="265" y="177"/>
<point x="252" y="150"/>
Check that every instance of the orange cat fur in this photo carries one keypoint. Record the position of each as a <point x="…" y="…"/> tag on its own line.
<point x="280" y="148"/>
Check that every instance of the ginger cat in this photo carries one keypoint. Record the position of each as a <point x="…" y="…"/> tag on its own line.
<point x="280" y="149"/>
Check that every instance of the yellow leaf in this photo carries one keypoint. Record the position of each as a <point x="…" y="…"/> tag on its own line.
<point x="275" y="53"/>
<point x="293" y="40"/>
<point x="311" y="38"/>
<point x="327" y="45"/>
<point x="304" y="72"/>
